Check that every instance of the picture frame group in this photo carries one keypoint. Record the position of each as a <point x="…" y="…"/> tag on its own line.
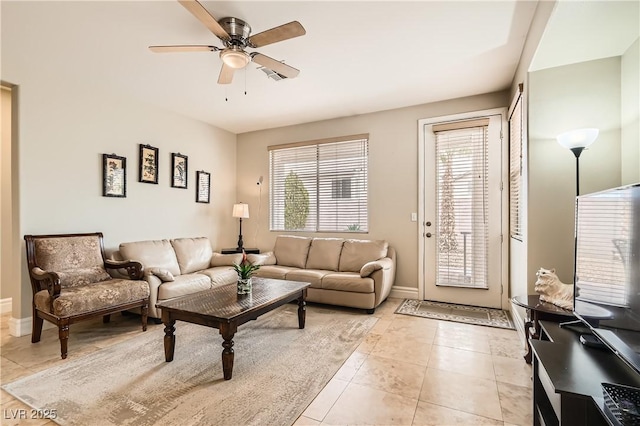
<point x="114" y="173"/>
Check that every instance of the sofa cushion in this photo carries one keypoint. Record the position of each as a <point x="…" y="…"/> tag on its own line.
<point x="221" y="275"/>
<point x="89" y="298"/>
<point x="325" y="254"/>
<point x="312" y="276"/>
<point x="347" y="281"/>
<point x="193" y="254"/>
<point x="152" y="254"/>
<point x="292" y="251"/>
<point x="184" y="284"/>
<point x="274" y="271"/>
<point x="218" y="259"/>
<point x="267" y="258"/>
<point x="355" y="253"/>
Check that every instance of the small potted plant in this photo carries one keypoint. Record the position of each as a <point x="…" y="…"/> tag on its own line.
<point x="245" y="271"/>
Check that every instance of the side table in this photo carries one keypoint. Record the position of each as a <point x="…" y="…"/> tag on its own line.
<point x="539" y="311"/>
<point x="235" y="250"/>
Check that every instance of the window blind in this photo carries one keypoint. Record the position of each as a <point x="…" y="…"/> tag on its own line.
<point x="515" y="167"/>
<point x="603" y="251"/>
<point x="461" y="193"/>
<point x="320" y="186"/>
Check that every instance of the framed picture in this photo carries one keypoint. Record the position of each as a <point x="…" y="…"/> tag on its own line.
<point x="179" y="168"/>
<point x="114" y="176"/>
<point x="148" y="164"/>
<point x="202" y="189"/>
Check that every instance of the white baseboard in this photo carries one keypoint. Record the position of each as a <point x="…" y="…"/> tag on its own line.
<point x="22" y="326"/>
<point x="518" y="321"/>
<point x="404" y="292"/>
<point x="5" y="305"/>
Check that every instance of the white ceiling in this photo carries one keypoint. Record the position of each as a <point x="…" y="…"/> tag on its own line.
<point x="580" y="31"/>
<point x="357" y="57"/>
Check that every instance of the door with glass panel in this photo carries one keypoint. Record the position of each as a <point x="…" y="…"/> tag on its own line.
<point x="463" y="212"/>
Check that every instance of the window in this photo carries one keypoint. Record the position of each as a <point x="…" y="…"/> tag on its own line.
<point x="341" y="188"/>
<point x="462" y="172"/>
<point x="515" y="166"/>
<point x="319" y="186"/>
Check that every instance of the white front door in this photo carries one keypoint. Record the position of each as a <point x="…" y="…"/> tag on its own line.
<point x="463" y="212"/>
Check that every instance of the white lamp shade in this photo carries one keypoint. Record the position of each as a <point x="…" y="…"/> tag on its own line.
<point x="235" y="58"/>
<point x="579" y="138"/>
<point x="241" y="210"/>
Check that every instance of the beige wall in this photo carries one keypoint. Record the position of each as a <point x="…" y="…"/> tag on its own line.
<point x="64" y="129"/>
<point x="518" y="250"/>
<point x="393" y="172"/>
<point x="560" y="99"/>
<point x="630" y="114"/>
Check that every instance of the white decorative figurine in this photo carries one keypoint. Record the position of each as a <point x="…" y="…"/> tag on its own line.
<point x="552" y="290"/>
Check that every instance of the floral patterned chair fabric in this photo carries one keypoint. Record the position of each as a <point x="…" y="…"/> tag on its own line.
<point x="70" y="283"/>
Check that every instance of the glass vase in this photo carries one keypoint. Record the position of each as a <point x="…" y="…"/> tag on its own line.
<point x="244" y="285"/>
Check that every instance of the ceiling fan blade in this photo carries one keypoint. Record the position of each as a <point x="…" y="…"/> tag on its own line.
<point x="226" y="74"/>
<point x="183" y="48"/>
<point x="274" y="35"/>
<point x="277" y="66"/>
<point x="205" y="17"/>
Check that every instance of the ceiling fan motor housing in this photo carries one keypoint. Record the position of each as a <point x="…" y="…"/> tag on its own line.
<point x="238" y="30"/>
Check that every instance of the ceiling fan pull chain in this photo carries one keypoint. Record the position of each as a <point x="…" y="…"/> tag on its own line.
<point x="226" y="96"/>
<point x="245" y="81"/>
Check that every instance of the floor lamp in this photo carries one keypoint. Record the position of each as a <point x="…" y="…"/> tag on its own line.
<point x="241" y="211"/>
<point x="577" y="140"/>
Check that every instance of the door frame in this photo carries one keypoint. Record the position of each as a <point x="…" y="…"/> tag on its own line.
<point x="504" y="210"/>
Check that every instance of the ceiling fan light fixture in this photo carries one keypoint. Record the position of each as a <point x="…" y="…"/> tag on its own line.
<point x="235" y="57"/>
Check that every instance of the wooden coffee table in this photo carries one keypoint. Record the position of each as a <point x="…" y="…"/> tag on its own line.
<point x="222" y="308"/>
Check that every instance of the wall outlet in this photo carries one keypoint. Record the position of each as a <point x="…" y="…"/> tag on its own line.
<point x="414" y="217"/>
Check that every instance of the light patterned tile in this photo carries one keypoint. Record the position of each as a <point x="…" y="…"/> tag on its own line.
<point x="305" y="421"/>
<point x="381" y="326"/>
<point x="462" y="339"/>
<point x="350" y="366"/>
<point x="369" y="343"/>
<point x="461" y="361"/>
<point x="413" y="329"/>
<point x="506" y="348"/>
<point x="513" y="371"/>
<point x="393" y="347"/>
<point x="516" y="402"/>
<point x="321" y="405"/>
<point x="437" y="415"/>
<point x="461" y="392"/>
<point x="393" y="376"/>
<point x="364" y="405"/>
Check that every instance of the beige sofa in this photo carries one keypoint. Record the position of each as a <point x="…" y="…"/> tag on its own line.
<point x="353" y="273"/>
<point x="178" y="267"/>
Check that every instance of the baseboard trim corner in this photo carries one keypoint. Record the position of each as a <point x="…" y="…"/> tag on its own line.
<point x="404" y="292"/>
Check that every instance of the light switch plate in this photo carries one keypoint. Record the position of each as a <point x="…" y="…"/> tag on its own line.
<point x="414" y="217"/>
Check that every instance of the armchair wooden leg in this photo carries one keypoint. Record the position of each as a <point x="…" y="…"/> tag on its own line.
<point x="106" y="319"/>
<point x="63" y="332"/>
<point x="36" y="329"/>
<point x="144" y="313"/>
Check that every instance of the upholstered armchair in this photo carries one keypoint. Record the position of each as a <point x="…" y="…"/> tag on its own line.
<point x="70" y="283"/>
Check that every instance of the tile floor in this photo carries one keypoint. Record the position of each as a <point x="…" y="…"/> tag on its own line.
<point x="407" y="371"/>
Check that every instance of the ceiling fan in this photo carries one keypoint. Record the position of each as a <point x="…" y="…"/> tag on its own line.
<point x="235" y="35"/>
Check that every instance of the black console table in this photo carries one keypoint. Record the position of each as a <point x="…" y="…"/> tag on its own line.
<point x="235" y="250"/>
<point x="567" y="378"/>
<point x="537" y="311"/>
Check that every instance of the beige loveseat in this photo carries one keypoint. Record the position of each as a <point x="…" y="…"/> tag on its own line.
<point x="178" y="267"/>
<point x="353" y="273"/>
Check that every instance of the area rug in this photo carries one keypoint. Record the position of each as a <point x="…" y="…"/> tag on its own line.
<point x="278" y="371"/>
<point x="458" y="313"/>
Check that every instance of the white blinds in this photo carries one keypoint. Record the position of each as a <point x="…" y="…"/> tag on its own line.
<point x="319" y="187"/>
<point x="603" y="253"/>
<point x="461" y="191"/>
<point x="515" y="168"/>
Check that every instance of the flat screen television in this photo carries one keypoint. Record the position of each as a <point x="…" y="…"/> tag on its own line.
<point x="607" y="268"/>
